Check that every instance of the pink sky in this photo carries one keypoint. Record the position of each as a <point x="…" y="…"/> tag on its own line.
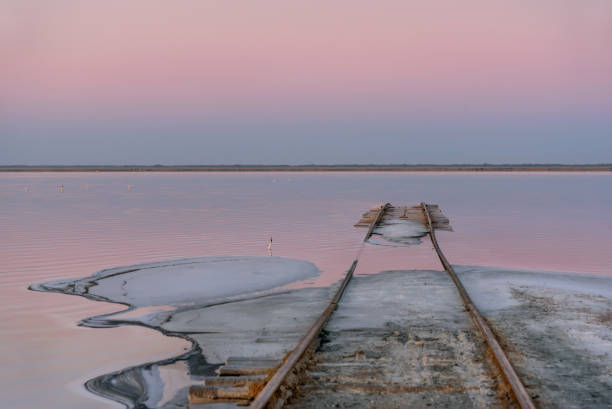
<point x="244" y="54"/>
<point x="74" y="59"/>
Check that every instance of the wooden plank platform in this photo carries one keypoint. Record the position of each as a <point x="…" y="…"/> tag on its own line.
<point x="413" y="213"/>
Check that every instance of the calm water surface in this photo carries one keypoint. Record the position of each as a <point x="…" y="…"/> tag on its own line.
<point x="554" y="222"/>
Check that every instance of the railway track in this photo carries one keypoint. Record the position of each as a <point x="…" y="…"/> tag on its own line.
<point x="267" y="394"/>
<point x="516" y="386"/>
<point x="281" y="380"/>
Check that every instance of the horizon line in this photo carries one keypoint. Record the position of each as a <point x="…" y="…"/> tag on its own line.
<point x="317" y="167"/>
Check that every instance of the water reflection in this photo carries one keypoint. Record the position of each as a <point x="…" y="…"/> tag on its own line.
<point x="538" y="221"/>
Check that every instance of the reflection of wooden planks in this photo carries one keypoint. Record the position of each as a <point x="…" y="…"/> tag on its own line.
<point x="414" y="213"/>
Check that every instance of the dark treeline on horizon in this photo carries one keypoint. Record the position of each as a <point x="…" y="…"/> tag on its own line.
<point x="348" y="167"/>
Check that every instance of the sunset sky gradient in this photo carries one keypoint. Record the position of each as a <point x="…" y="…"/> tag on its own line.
<point x="288" y="82"/>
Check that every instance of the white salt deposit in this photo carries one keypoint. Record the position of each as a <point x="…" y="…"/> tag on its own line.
<point x="401" y="231"/>
<point x="575" y="305"/>
<point x="187" y="281"/>
<point x="566" y="316"/>
<point x="491" y="287"/>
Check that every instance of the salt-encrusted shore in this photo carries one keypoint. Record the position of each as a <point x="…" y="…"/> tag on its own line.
<point x="402" y="339"/>
<point x="224" y="305"/>
<point x="555" y="327"/>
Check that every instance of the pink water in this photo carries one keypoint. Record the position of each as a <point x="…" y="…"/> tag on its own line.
<point x="556" y="222"/>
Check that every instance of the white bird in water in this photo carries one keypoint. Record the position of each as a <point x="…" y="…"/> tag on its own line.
<point x="270" y="247"/>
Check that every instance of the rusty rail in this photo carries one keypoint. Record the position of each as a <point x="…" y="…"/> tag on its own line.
<point x="520" y="393"/>
<point x="379" y="216"/>
<point x="266" y="394"/>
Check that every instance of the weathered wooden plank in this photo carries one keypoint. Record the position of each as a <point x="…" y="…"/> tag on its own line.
<point x="206" y="394"/>
<point x="241" y="360"/>
<point x="235" y="381"/>
<point x="240" y="370"/>
<point x="413" y="213"/>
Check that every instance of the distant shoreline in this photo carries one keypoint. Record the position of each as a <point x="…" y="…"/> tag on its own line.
<point x="317" y="168"/>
